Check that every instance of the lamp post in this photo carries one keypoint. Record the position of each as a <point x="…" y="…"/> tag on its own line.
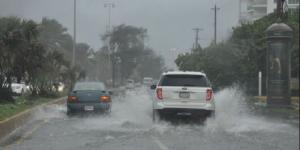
<point x="74" y="36"/>
<point x="110" y="5"/>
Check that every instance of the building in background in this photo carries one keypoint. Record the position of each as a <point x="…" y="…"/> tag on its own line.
<point x="293" y="6"/>
<point x="251" y="10"/>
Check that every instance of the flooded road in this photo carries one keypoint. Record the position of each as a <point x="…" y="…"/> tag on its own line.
<point x="130" y="127"/>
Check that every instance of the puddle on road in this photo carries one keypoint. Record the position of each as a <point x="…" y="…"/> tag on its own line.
<point x="132" y="116"/>
<point x="133" y="113"/>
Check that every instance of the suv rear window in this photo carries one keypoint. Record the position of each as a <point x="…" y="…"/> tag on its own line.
<point x="82" y="86"/>
<point x="184" y="80"/>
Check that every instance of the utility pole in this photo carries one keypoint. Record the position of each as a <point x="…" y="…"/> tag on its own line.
<point x="74" y="36"/>
<point x="215" y="9"/>
<point x="197" y="37"/>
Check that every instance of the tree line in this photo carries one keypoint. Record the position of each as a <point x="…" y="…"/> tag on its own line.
<point x="239" y="59"/>
<point x="130" y="57"/>
<point x="40" y="55"/>
<point x="35" y="53"/>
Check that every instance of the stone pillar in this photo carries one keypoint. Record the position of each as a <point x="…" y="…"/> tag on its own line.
<point x="278" y="64"/>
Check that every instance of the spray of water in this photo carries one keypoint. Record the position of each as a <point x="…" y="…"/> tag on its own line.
<point x="129" y="112"/>
<point x="233" y="115"/>
<point x="132" y="113"/>
<point x="46" y="112"/>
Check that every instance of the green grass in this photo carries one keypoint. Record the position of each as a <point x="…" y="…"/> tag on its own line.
<point x="291" y="112"/>
<point x="22" y="103"/>
<point x="288" y="112"/>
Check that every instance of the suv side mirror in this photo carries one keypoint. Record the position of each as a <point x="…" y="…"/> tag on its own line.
<point x="153" y="87"/>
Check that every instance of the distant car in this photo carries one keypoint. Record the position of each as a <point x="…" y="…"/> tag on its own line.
<point x="130" y="84"/>
<point x="154" y="82"/>
<point x="147" y="81"/>
<point x="89" y="96"/>
<point x="19" y="88"/>
<point x="59" y="86"/>
<point x="183" y="93"/>
<point x="138" y="84"/>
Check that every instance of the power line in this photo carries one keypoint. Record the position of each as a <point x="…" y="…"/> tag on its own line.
<point x="215" y="9"/>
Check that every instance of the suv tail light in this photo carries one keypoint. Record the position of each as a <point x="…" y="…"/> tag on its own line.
<point x="72" y="98"/>
<point x="209" y="94"/>
<point x="159" y="93"/>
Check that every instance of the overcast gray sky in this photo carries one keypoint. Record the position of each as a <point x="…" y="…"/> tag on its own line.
<point x="169" y="22"/>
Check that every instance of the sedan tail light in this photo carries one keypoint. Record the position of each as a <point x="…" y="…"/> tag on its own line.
<point x="104" y="98"/>
<point x="209" y="94"/>
<point x="72" y="98"/>
<point x="159" y="93"/>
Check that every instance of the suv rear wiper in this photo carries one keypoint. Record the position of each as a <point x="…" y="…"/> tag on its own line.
<point x="189" y="85"/>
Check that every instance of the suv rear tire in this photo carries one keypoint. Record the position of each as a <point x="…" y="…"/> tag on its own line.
<point x="155" y="116"/>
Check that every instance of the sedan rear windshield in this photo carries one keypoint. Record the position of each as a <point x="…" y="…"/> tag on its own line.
<point x="97" y="86"/>
<point x="184" y="80"/>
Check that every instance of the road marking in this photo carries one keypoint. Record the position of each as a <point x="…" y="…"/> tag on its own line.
<point x="6" y="147"/>
<point x="27" y="134"/>
<point x="30" y="132"/>
<point x="160" y="144"/>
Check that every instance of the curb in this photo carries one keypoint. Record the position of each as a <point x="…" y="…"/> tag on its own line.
<point x="294" y="101"/>
<point x="10" y="124"/>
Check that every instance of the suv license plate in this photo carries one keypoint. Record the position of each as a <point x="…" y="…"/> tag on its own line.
<point x="88" y="108"/>
<point x="184" y="94"/>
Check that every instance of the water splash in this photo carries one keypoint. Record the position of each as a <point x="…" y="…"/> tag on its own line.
<point x="234" y="115"/>
<point x="49" y="112"/>
<point x="132" y="112"/>
<point x="129" y="112"/>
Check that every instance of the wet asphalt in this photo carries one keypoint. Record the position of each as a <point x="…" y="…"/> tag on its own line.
<point x="130" y="127"/>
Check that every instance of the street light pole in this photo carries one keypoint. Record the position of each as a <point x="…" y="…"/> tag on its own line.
<point x="110" y="5"/>
<point x="74" y="36"/>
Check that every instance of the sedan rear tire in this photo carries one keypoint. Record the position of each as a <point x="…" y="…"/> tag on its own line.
<point x="69" y="112"/>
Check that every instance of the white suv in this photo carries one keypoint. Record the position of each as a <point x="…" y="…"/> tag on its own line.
<point x="183" y="93"/>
